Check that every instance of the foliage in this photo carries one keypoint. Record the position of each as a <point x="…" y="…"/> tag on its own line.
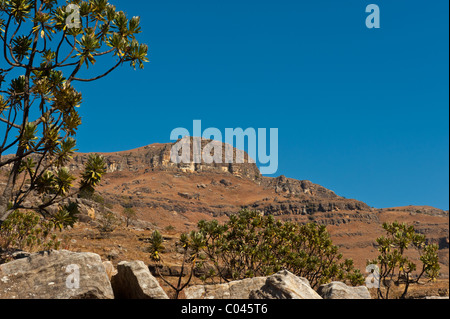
<point x="45" y="54"/>
<point x="28" y="231"/>
<point x="191" y="245"/>
<point x="395" y="267"/>
<point x="169" y="228"/>
<point x="156" y="246"/>
<point x="129" y="214"/>
<point x="108" y="221"/>
<point x="250" y="245"/>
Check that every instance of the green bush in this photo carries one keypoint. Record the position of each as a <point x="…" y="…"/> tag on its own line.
<point x="28" y="231"/>
<point x="108" y="222"/>
<point x="191" y="245"/>
<point x="129" y="214"/>
<point x="395" y="268"/>
<point x="250" y="245"/>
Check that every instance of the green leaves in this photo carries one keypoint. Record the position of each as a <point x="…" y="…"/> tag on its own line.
<point x="27" y="165"/>
<point x="21" y="47"/>
<point x="156" y="246"/>
<point x="64" y="180"/>
<point x="66" y="98"/>
<point x="19" y="9"/>
<point x="251" y="244"/>
<point x="27" y="231"/>
<point x="46" y="183"/>
<point x="134" y="26"/>
<point x="137" y="54"/>
<point x="16" y="90"/>
<point x="43" y="24"/>
<point x="65" y="151"/>
<point x="44" y="54"/>
<point x="430" y="261"/>
<point x="94" y="169"/>
<point x="29" y="136"/>
<point x="120" y="23"/>
<point x="2" y="24"/>
<point x="88" y="45"/>
<point x="66" y="216"/>
<point x="394" y="262"/>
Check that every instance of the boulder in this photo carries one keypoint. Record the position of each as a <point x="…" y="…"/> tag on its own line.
<point x="285" y="285"/>
<point x="134" y="281"/>
<point x="55" y="275"/>
<point x="339" y="290"/>
<point x="239" y="289"/>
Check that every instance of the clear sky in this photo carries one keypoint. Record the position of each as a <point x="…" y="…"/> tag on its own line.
<point x="364" y="112"/>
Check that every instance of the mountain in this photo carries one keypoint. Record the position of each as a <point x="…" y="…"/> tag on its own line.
<point x="174" y="197"/>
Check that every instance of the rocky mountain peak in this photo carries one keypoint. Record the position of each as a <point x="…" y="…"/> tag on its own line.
<point x="157" y="157"/>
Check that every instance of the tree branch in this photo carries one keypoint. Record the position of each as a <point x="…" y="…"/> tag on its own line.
<point x="100" y="76"/>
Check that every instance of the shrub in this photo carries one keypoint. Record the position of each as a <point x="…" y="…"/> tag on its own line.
<point x="108" y="222"/>
<point x="250" y="245"/>
<point x="191" y="245"/>
<point x="169" y="228"/>
<point x="28" y="231"/>
<point x="394" y="267"/>
<point x="129" y="214"/>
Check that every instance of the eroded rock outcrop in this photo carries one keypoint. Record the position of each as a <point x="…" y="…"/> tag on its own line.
<point x="339" y="290"/>
<point x="282" y="285"/>
<point x="55" y="275"/>
<point x="134" y="281"/>
<point x="157" y="157"/>
<point x="239" y="289"/>
<point x="285" y="285"/>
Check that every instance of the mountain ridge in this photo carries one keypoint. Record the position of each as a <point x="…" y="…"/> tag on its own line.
<point x="173" y="196"/>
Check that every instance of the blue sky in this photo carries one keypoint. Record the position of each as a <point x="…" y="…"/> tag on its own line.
<point x="361" y="111"/>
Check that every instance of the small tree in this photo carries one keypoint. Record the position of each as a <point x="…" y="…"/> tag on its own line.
<point x="29" y="231"/>
<point x="129" y="214"/>
<point x="251" y="244"/>
<point x="44" y="53"/>
<point x="191" y="245"/>
<point x="395" y="268"/>
<point x="108" y="222"/>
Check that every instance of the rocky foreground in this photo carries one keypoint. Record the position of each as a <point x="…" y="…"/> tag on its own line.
<point x="172" y="198"/>
<point x="68" y="275"/>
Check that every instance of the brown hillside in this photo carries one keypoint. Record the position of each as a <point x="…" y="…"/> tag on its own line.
<point x="173" y="198"/>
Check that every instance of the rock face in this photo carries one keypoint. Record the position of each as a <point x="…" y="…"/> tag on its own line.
<point x="239" y="289"/>
<point x="284" y="185"/>
<point x="157" y="157"/>
<point x="285" y="285"/>
<point x="339" y="290"/>
<point x="134" y="281"/>
<point x="55" y="275"/>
